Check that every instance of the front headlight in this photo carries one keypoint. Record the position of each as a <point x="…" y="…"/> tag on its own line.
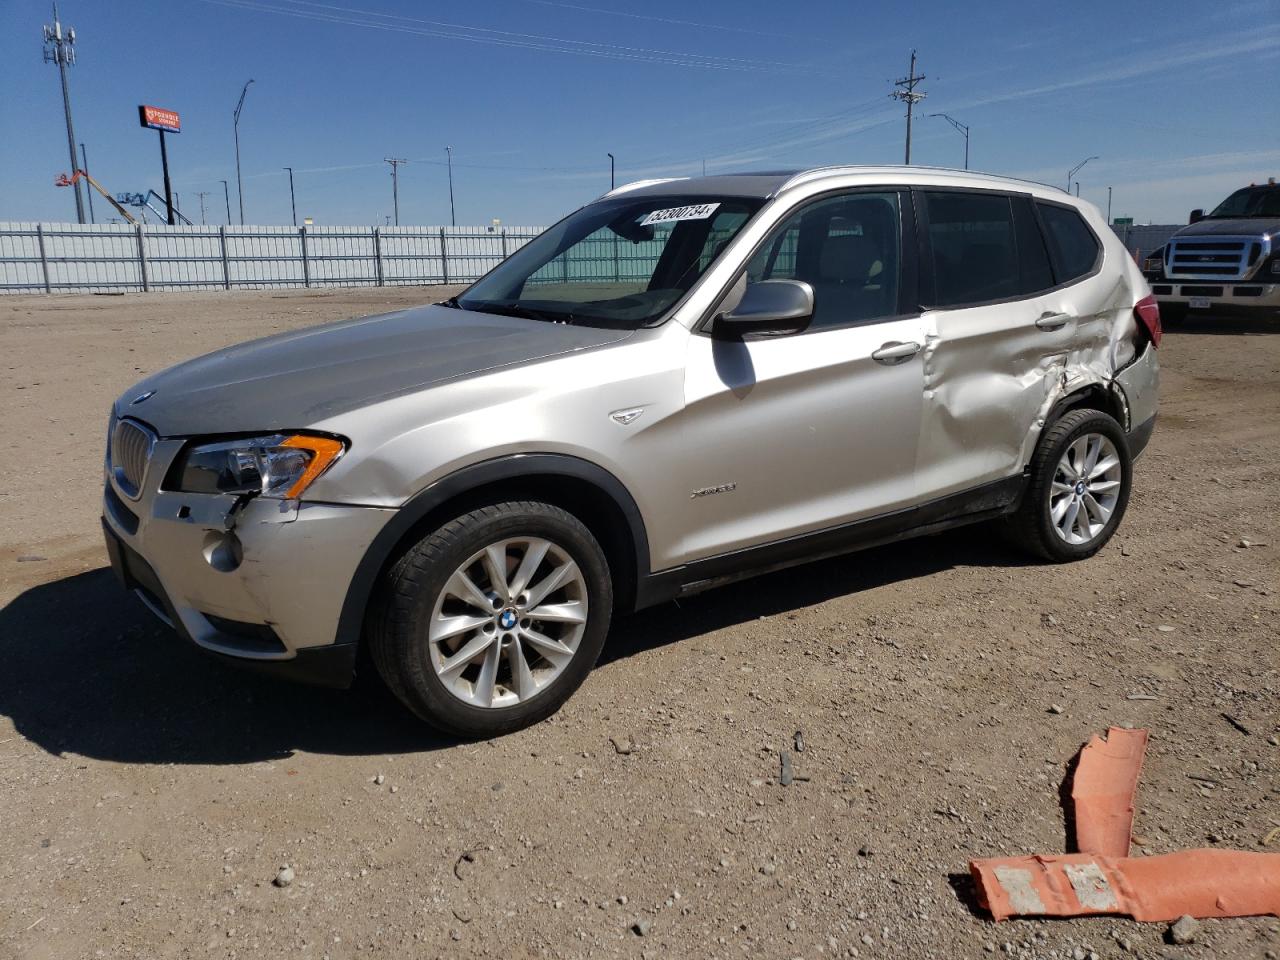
<point x="280" y="465"/>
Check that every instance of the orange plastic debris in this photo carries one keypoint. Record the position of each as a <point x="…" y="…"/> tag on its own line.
<point x="1103" y="879"/>
<point x="1200" y="883"/>
<point x="1103" y="790"/>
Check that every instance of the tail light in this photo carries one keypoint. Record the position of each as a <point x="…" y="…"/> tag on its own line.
<point x="1147" y="311"/>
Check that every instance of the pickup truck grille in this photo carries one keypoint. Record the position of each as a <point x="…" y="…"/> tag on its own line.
<point x="1212" y="258"/>
<point x="131" y="445"/>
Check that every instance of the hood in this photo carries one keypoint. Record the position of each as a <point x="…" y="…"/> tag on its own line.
<point x="1231" y="226"/>
<point x="293" y="380"/>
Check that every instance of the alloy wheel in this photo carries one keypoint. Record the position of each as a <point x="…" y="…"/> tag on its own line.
<point x="507" y="622"/>
<point x="1085" y="489"/>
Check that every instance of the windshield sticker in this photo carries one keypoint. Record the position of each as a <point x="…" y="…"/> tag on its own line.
<point x="697" y="211"/>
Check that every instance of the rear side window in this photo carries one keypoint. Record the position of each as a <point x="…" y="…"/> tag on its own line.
<point x="974" y="247"/>
<point x="1072" y="245"/>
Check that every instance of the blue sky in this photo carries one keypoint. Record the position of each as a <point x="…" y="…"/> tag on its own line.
<point x="532" y="94"/>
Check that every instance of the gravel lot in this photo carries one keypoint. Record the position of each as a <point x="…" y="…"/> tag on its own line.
<point x="149" y="796"/>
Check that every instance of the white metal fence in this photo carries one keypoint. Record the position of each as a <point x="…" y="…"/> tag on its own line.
<point x="105" y="258"/>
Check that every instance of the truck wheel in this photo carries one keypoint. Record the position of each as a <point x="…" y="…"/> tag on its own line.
<point x="489" y="623"/>
<point x="1078" y="488"/>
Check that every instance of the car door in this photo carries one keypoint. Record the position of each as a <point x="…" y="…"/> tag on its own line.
<point x="999" y="332"/>
<point x="789" y="434"/>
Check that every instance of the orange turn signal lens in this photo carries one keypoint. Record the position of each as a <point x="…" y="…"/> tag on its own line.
<point x="324" y="453"/>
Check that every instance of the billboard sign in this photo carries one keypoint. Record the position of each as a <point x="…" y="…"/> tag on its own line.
<point x="158" y="118"/>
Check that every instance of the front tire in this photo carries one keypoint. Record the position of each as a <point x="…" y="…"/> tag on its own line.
<point x="490" y="623"/>
<point x="1078" y="490"/>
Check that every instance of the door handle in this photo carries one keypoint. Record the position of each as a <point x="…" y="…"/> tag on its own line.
<point x="894" y="352"/>
<point x="1054" y="321"/>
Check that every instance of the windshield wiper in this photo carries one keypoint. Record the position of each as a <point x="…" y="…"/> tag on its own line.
<point x="451" y="302"/>
<point x="528" y="313"/>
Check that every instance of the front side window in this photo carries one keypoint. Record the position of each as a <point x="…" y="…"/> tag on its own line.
<point x="1074" y="247"/>
<point x="845" y="247"/>
<point x="621" y="262"/>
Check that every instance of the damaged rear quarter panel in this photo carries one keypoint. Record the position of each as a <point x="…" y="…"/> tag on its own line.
<point x="991" y="376"/>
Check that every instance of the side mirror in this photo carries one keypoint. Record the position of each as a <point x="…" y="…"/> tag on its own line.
<point x="769" y="306"/>
<point x="1196" y="215"/>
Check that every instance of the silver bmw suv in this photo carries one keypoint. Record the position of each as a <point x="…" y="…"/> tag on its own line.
<point x="682" y="383"/>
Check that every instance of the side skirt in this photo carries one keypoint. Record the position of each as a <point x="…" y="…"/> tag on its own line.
<point x="987" y="502"/>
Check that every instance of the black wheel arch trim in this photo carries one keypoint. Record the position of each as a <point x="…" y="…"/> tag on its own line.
<point x="510" y="467"/>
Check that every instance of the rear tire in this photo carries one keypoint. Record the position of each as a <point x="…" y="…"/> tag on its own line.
<point x="1078" y="490"/>
<point x="491" y="622"/>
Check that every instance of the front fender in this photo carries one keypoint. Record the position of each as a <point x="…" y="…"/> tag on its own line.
<point x="427" y="501"/>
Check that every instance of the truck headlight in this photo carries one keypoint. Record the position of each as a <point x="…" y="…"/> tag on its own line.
<point x="279" y="465"/>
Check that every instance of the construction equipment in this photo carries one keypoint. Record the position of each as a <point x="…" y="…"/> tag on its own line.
<point x="64" y="181"/>
<point x="144" y="200"/>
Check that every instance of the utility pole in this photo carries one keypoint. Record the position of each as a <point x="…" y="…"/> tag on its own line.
<point x="453" y="219"/>
<point x="395" y="184"/>
<point x="1076" y="169"/>
<point x="236" y="127"/>
<point x="292" y="205"/>
<point x="611" y="179"/>
<point x="202" y="194"/>
<point x="60" y="48"/>
<point x="1108" y="205"/>
<point x="907" y="94"/>
<point x="962" y="128"/>
<point x="84" y="165"/>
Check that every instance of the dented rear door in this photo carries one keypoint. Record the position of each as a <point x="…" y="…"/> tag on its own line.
<point x="993" y="367"/>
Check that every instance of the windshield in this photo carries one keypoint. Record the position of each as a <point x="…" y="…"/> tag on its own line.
<point x="1250" y="202"/>
<point x="621" y="262"/>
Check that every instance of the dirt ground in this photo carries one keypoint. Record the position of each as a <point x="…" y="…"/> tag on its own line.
<point x="149" y="796"/>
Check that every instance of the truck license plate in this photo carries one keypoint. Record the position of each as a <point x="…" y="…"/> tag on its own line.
<point x="1199" y="303"/>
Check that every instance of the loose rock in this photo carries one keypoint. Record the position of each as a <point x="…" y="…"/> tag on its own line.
<point x="1184" y="930"/>
<point x="284" y="877"/>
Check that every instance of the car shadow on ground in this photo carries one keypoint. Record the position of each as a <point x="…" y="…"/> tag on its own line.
<point x="87" y="670"/>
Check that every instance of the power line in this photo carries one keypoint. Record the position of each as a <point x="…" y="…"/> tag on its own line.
<point x="449" y="31"/>
<point x="906" y="92"/>
<point x="683" y="23"/>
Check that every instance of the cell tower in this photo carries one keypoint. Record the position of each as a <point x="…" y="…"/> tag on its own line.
<point x="60" y="48"/>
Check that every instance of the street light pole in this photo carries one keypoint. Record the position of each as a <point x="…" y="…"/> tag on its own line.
<point x="453" y="219"/>
<point x="292" y="205"/>
<point x="226" y="196"/>
<point x="60" y="49"/>
<point x="84" y="165"/>
<point x="611" y="181"/>
<point x="960" y="127"/>
<point x="1108" y="205"/>
<point x="236" y="128"/>
<point x="1076" y="169"/>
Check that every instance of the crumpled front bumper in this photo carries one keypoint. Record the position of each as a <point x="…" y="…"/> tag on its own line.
<point x="262" y="585"/>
